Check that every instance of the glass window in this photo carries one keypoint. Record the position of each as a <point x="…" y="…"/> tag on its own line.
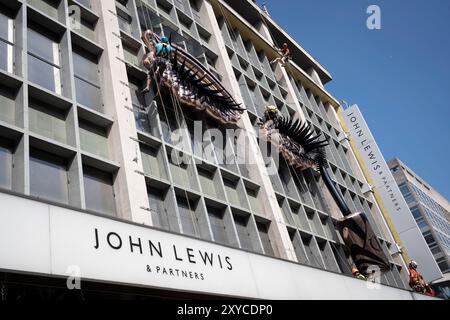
<point x="42" y="46"/>
<point x="93" y="139"/>
<point x="5" y="164"/>
<point x="4" y="27"/>
<point x="218" y="225"/>
<point x="99" y="190"/>
<point x="87" y="81"/>
<point x="416" y="213"/>
<point x="42" y="73"/>
<point x="187" y="216"/>
<point x="263" y="234"/>
<point x="47" y="122"/>
<point x="7" y="106"/>
<point x="206" y="179"/>
<point x="85" y="68"/>
<point x="46" y="6"/>
<point x="88" y="94"/>
<point x="43" y="61"/>
<point x="243" y="232"/>
<point x="254" y="201"/>
<point x="158" y="210"/>
<point x="48" y="176"/>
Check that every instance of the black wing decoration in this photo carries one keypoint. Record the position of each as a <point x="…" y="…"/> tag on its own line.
<point x="195" y="86"/>
<point x="302" y="148"/>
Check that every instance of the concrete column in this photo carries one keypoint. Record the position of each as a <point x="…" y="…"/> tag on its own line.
<point x="130" y="187"/>
<point x="277" y="232"/>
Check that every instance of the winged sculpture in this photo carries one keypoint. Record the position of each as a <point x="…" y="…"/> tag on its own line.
<point x="172" y="68"/>
<point x="302" y="149"/>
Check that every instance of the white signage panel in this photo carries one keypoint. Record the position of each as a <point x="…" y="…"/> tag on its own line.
<point x="46" y="239"/>
<point x="391" y="195"/>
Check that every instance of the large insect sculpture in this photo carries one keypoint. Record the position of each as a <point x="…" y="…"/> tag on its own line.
<point x="302" y="148"/>
<point x="170" y="66"/>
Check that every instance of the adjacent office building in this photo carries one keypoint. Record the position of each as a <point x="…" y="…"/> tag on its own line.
<point x="91" y="188"/>
<point x="384" y="186"/>
<point x="430" y="210"/>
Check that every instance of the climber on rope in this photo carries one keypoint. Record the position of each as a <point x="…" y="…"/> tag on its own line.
<point x="285" y="55"/>
<point x="159" y="56"/>
<point x="416" y="281"/>
<point x="358" y="275"/>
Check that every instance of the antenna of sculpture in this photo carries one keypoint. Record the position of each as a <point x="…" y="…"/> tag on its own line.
<point x="173" y="68"/>
<point x="302" y="148"/>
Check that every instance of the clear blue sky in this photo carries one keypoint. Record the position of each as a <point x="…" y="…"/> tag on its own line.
<point x="399" y="75"/>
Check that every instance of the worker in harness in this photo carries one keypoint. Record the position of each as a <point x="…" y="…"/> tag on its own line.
<point x="358" y="275"/>
<point x="416" y="281"/>
<point x="285" y="53"/>
<point x="159" y="57"/>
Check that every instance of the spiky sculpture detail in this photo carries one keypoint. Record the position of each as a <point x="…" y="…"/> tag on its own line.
<point x="194" y="85"/>
<point x="302" y="148"/>
<point x="297" y="142"/>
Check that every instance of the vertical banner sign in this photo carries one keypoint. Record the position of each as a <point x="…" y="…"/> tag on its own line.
<point x="392" y="198"/>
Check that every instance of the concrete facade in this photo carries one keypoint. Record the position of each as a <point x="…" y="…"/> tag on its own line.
<point x="430" y="210"/>
<point x="75" y="119"/>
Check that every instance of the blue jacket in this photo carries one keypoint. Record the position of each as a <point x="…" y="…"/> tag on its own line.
<point x="163" y="49"/>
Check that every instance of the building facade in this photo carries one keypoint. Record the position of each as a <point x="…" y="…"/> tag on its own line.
<point x="89" y="172"/>
<point x="430" y="210"/>
<point x="384" y="186"/>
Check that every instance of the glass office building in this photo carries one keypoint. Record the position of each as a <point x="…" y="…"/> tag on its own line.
<point x="81" y="148"/>
<point x="429" y="209"/>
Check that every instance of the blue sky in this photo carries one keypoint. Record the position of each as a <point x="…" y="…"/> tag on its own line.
<point x="399" y="75"/>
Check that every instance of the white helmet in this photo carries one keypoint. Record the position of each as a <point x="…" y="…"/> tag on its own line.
<point x="413" y="264"/>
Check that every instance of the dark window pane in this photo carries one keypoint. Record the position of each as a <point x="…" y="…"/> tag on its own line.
<point x="243" y="233"/>
<point x="48" y="176"/>
<point x="187" y="217"/>
<point x="158" y="209"/>
<point x="98" y="190"/>
<point x="42" y="46"/>
<point x="88" y="95"/>
<point x="262" y="229"/>
<point x="4" y="26"/>
<point x="5" y="53"/>
<point x="42" y="73"/>
<point x="5" y="164"/>
<point x="85" y="68"/>
<point x="217" y="225"/>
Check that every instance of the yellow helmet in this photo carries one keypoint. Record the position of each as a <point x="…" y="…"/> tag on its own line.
<point x="271" y="109"/>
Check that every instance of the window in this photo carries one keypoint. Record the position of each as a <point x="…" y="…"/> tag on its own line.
<point x="48" y="7"/>
<point x="429" y="237"/>
<point x="44" y="60"/>
<point x="93" y="139"/>
<point x="254" y="201"/>
<point x="243" y="231"/>
<point x="263" y="234"/>
<point x="406" y="193"/>
<point x="99" y="190"/>
<point x="207" y="181"/>
<point x="49" y="122"/>
<point x="48" y="176"/>
<point x="157" y="208"/>
<point x="150" y="162"/>
<point x="87" y="81"/>
<point x="416" y="213"/>
<point x="141" y="115"/>
<point x="187" y="216"/>
<point x="7" y="106"/>
<point x="6" y="162"/>
<point x="6" y="43"/>
<point x="443" y="264"/>
<point x="218" y="227"/>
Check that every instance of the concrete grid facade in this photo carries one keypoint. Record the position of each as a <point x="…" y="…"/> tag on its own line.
<point x="430" y="210"/>
<point x="75" y="130"/>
